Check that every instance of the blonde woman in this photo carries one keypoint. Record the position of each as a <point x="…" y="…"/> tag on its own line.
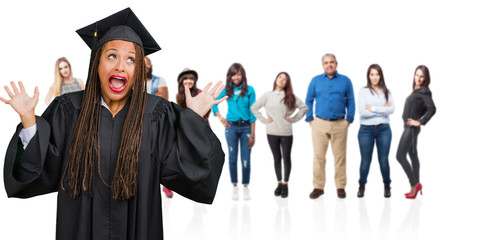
<point x="64" y="80"/>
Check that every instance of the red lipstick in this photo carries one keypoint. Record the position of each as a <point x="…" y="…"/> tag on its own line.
<point x="117" y="83"/>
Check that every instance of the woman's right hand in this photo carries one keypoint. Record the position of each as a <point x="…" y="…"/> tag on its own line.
<point x="23" y="104"/>
<point x="269" y="120"/>
<point x="224" y="122"/>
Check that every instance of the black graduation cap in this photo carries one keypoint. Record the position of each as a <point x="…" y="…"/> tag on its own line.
<point x="123" y="25"/>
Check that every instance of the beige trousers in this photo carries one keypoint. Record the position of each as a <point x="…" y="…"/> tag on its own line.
<point x="324" y="131"/>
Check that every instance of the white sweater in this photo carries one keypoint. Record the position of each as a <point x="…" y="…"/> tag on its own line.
<point x="272" y="101"/>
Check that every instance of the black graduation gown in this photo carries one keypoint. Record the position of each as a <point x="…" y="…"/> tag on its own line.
<point x="178" y="150"/>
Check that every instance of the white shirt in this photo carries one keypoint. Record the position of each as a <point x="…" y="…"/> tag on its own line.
<point x="379" y="113"/>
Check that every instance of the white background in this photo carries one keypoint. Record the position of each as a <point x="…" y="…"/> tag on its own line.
<point x="268" y="37"/>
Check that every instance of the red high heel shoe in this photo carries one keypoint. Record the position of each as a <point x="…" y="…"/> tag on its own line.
<point x="418" y="188"/>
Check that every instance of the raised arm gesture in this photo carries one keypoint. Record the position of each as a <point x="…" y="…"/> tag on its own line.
<point x="204" y="101"/>
<point x="23" y="104"/>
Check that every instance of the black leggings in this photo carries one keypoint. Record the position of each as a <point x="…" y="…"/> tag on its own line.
<point x="285" y="143"/>
<point x="408" y="144"/>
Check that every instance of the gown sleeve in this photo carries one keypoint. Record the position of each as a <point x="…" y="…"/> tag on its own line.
<point x="190" y="153"/>
<point x="36" y="170"/>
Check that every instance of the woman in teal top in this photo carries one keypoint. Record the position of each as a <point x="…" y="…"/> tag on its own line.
<point x="239" y="125"/>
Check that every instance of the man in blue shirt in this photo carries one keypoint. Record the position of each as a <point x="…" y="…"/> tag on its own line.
<point x="334" y="112"/>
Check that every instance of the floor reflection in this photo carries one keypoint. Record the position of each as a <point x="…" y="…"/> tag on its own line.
<point x="384" y="226"/>
<point x="319" y="218"/>
<point x="340" y="219"/>
<point x="411" y="223"/>
<point x="195" y="228"/>
<point x="365" y="227"/>
<point x="365" y="224"/>
<point x="283" y="219"/>
<point x="239" y="222"/>
<point x="282" y="226"/>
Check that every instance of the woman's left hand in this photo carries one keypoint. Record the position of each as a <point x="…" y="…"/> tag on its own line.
<point x="251" y="141"/>
<point x="288" y="119"/>
<point x="412" y="122"/>
<point x="204" y="101"/>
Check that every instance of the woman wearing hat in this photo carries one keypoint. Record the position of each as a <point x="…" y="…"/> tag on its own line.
<point x="107" y="149"/>
<point x="188" y="79"/>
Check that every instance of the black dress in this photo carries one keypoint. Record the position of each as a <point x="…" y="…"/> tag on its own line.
<point x="178" y="150"/>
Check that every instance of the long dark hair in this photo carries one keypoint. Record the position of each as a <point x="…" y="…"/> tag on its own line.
<point x="232" y="70"/>
<point x="426" y="77"/>
<point x="181" y="98"/>
<point x="381" y="82"/>
<point x="289" y="99"/>
<point x="85" y="143"/>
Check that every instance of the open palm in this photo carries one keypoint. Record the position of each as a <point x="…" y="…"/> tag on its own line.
<point x="202" y="103"/>
<point x="23" y="104"/>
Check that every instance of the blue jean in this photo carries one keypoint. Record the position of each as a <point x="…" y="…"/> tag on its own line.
<point x="368" y="136"/>
<point x="238" y="132"/>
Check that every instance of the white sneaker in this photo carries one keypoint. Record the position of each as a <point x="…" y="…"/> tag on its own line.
<point x="246" y="193"/>
<point x="235" y="193"/>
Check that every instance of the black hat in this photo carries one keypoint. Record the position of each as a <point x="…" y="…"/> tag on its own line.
<point x="123" y="25"/>
<point x="186" y="71"/>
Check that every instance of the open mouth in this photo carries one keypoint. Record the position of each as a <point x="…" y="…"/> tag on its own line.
<point x="117" y="83"/>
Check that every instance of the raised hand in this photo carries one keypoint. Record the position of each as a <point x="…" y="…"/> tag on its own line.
<point x="204" y="101"/>
<point x="23" y="104"/>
